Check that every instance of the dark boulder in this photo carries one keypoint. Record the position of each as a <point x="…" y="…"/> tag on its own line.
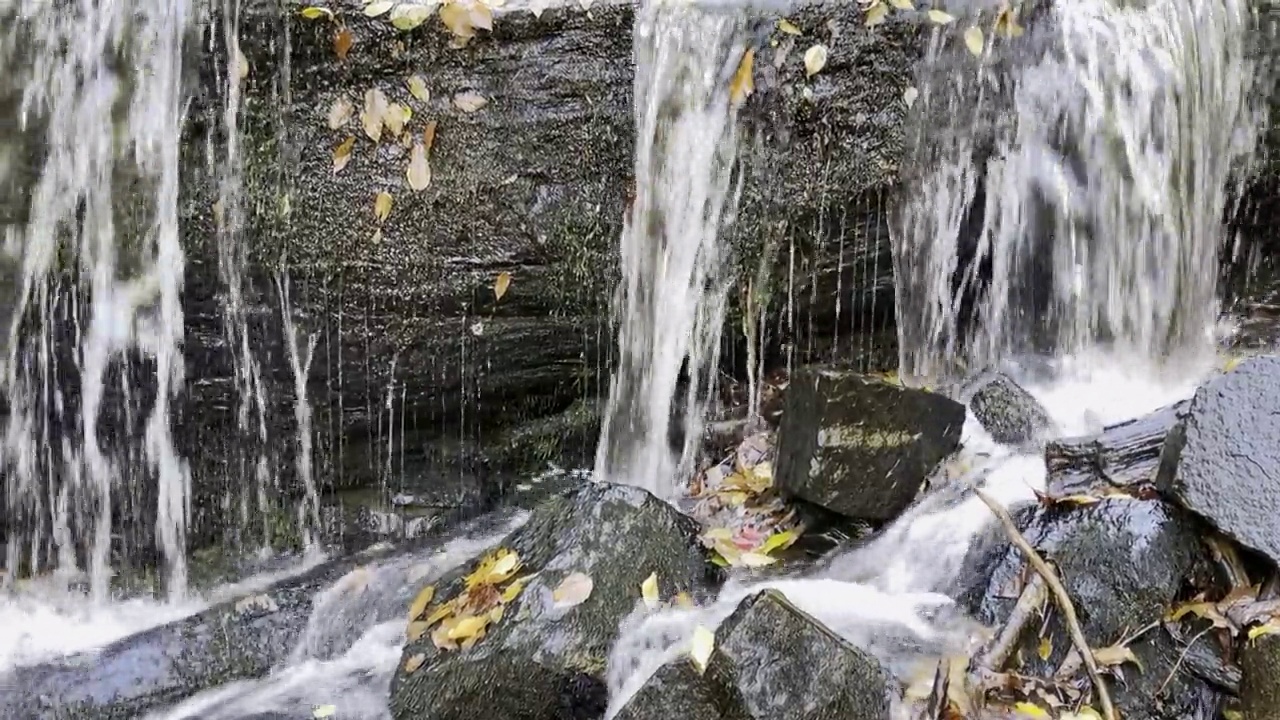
<point x="1124" y="562"/>
<point x="1260" y="679"/>
<point x="1009" y="413"/>
<point x="771" y="661"/>
<point x="1223" y="460"/>
<point x="1124" y="455"/>
<point x="860" y="446"/>
<point x="541" y="660"/>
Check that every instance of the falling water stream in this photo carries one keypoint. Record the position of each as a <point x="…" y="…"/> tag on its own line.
<point x="1101" y="187"/>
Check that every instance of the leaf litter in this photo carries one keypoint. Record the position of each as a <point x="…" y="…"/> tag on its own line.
<point x="461" y="622"/>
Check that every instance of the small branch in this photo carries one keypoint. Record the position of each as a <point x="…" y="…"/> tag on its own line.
<point x="1181" y="657"/>
<point x="1061" y="597"/>
<point x="1029" y="604"/>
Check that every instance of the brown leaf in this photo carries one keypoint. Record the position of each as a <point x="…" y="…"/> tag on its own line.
<point x="1115" y="655"/>
<point x="413" y="663"/>
<point x="342" y="43"/>
<point x="429" y="136"/>
<point x="500" y="285"/>
<point x="742" y="84"/>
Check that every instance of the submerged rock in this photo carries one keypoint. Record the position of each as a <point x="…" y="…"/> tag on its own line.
<point x="1123" y="561"/>
<point x="1223" y="460"/>
<point x="1009" y="413"/>
<point x="543" y="660"/>
<point x="860" y="446"/>
<point x="771" y="661"/>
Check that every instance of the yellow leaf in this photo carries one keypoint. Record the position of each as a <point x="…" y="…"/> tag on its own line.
<point x="786" y="27"/>
<point x="742" y="84"/>
<point x="755" y="559"/>
<point x="1084" y="713"/>
<point x="429" y="135"/>
<point x="457" y="20"/>
<point x="439" y="614"/>
<point x="420" y="603"/>
<point x="408" y="17"/>
<point x="815" y="58"/>
<point x="1231" y="363"/>
<point x="339" y="113"/>
<point x="700" y="649"/>
<point x="512" y="591"/>
<point x="1076" y="500"/>
<point x="682" y="600"/>
<point x="394" y="118"/>
<point x="1227" y="715"/>
<point x="1029" y="710"/>
<point x="320" y="712"/>
<point x="495" y="615"/>
<point x="342" y="154"/>
<point x="416" y="630"/>
<point x="468" y="627"/>
<point x="1269" y="628"/>
<point x="469" y="102"/>
<point x="974" y="41"/>
<point x="902" y="4"/>
<point x="909" y="96"/>
<point x="649" y="591"/>
<point x="778" y="541"/>
<point x="1007" y="23"/>
<point x="1115" y="655"/>
<point x="418" y="88"/>
<point x="375" y="109"/>
<point x="418" y="173"/>
<point x="500" y="285"/>
<point x="876" y="14"/>
<point x="1045" y="649"/>
<point x="342" y="43"/>
<point x="374" y="9"/>
<point x="315" y="13"/>
<point x="941" y="18"/>
<point x="414" y="662"/>
<point x="495" y="568"/>
<point x="573" y="590"/>
<point x="382" y="206"/>
<point x="1203" y="610"/>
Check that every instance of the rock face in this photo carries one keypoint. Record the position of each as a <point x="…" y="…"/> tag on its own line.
<point x="1009" y="413"/>
<point x="542" y="660"/>
<point x="860" y="446"/>
<point x="1260" y="679"/>
<point x="1123" y="561"/>
<point x="1125" y="455"/>
<point x="1223" y="461"/>
<point x="771" y="661"/>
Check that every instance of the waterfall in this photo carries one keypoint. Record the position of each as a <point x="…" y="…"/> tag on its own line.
<point x="671" y="300"/>
<point x="96" y="321"/>
<point x="1072" y="184"/>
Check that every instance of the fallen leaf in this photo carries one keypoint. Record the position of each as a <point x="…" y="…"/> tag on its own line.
<point x="1203" y="610"/>
<point x="788" y="28"/>
<point x="458" y="20"/>
<point x="342" y="154"/>
<point x="512" y="591"/>
<point x="573" y="590"/>
<point x="1269" y="628"/>
<point x="537" y="7"/>
<point x="1031" y="710"/>
<point x="242" y="64"/>
<point x="909" y="96"/>
<point x="755" y="560"/>
<point x="421" y="601"/>
<point x="339" y="113"/>
<point x="467" y="627"/>
<point x="682" y="600"/>
<point x="374" y="9"/>
<point x="416" y="630"/>
<point x="779" y="541"/>
<point x="1045" y="649"/>
<point x="394" y="118"/>
<point x="941" y="18"/>
<point x="876" y="14"/>
<point x="382" y="206"/>
<point x="407" y="17"/>
<point x="315" y="13"/>
<point x="375" y="109"/>
<point x="495" y="615"/>
<point x="815" y="58"/>
<point x="742" y="84"/>
<point x="439" y="614"/>
<point x="320" y="712"/>
<point x="1007" y="23"/>
<point x="481" y="16"/>
<point x="902" y="4"/>
<point x="701" y="647"/>
<point x="418" y="88"/>
<point x="649" y="591"/>
<point x="495" y="568"/>
<point x="500" y="285"/>
<point x="469" y="102"/>
<point x="429" y="135"/>
<point x="1115" y="655"/>
<point x="342" y="43"/>
<point x="414" y="662"/>
<point x="974" y="41"/>
<point x="418" y="174"/>
<point x="1084" y="713"/>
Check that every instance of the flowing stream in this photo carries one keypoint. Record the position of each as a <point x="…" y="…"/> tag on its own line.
<point x="1100" y="162"/>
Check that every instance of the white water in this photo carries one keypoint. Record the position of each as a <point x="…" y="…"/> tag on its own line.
<point x="670" y="304"/>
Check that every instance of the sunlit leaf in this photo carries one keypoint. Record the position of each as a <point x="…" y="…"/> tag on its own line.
<point x="315" y="13"/>
<point x="342" y="154"/>
<point x="1203" y="610"/>
<point x="495" y="568"/>
<point x="394" y="119"/>
<point x="1007" y="23"/>
<point x="1269" y="628"/>
<point x="788" y="28"/>
<point x="439" y="613"/>
<point x="778" y="541"/>
<point x="1231" y="363"/>
<point x="903" y="4"/>
<point x="374" y="9"/>
<point x="468" y="626"/>
<point x="1115" y="655"/>
<point x="418" y="88"/>
<point x="815" y="58"/>
<point x="941" y="18"/>
<point x="413" y="663"/>
<point x="408" y="17"/>
<point x="458" y="20"/>
<point x="876" y="14"/>
<point x="649" y="591"/>
<point x="321" y="712"/>
<point x="339" y="113"/>
<point x="742" y="84"/>
<point x="1045" y="648"/>
<point x="375" y="109"/>
<point x="495" y="614"/>
<point x="974" y="41"/>
<point x="1030" y="710"/>
<point x="418" y="174"/>
<point x="909" y="96"/>
<point x="573" y="590"/>
<point x="682" y="600"/>
<point x="469" y="102"/>
<point x="342" y="43"/>
<point x="755" y="560"/>
<point x="500" y="285"/>
<point x="417" y="630"/>
<point x="382" y="206"/>
<point x="420" y="603"/>
<point x="512" y="591"/>
<point x="701" y="647"/>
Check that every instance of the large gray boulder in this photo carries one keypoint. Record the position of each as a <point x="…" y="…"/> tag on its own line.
<point x="1223" y="460"/>
<point x="860" y="446"/>
<point x="542" y="659"/>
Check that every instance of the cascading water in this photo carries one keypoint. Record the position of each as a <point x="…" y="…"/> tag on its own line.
<point x="97" y="300"/>
<point x="670" y="304"/>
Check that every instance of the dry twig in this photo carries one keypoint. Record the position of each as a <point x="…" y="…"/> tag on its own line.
<point x="1061" y="597"/>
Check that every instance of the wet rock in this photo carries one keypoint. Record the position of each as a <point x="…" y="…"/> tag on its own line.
<point x="316" y="614"/>
<point x="1223" y="460"/>
<point x="1260" y="679"/>
<point x="1125" y="455"/>
<point x="541" y="661"/>
<point x="1009" y="413"/>
<point x="860" y="446"/>
<point x="771" y="662"/>
<point x="1123" y="562"/>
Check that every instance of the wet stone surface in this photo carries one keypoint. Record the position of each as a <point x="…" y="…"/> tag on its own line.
<point x="1009" y="413"/>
